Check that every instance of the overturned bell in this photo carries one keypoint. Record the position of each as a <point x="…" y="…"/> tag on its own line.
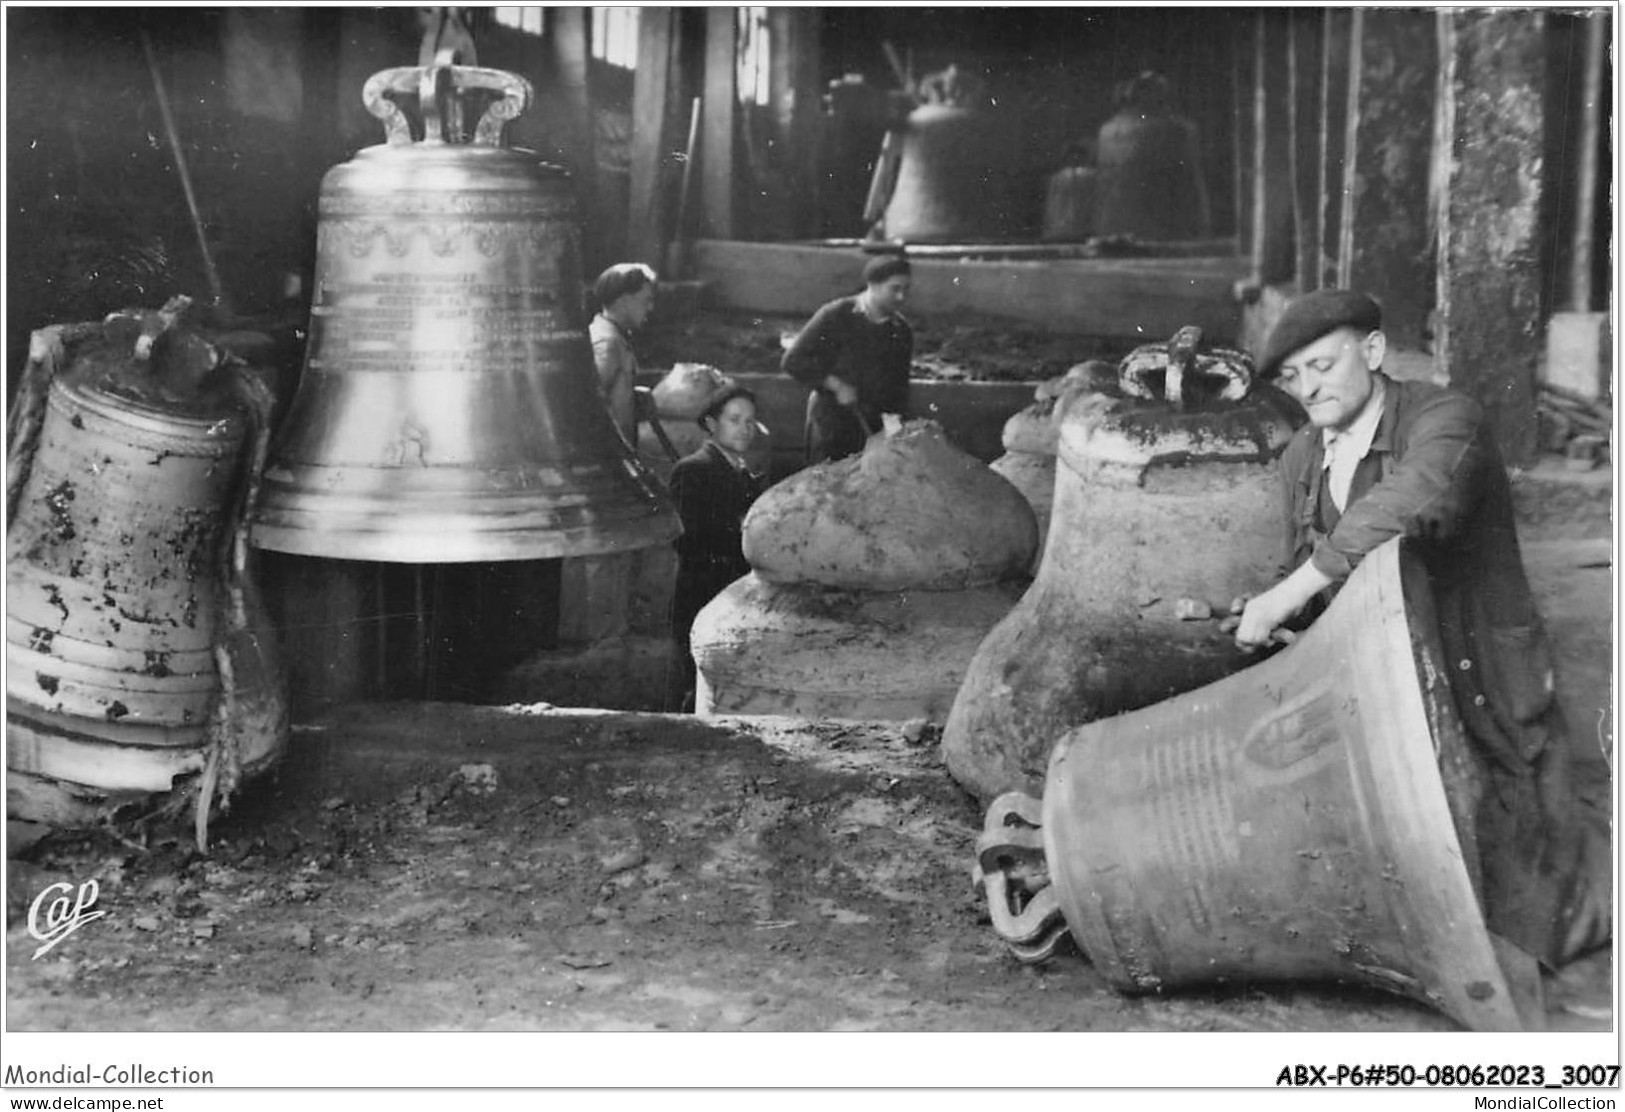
<point x="1309" y="818"/>
<point x="449" y="410"/>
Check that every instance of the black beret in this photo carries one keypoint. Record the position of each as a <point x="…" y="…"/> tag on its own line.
<point x="1312" y="316"/>
<point x="882" y="267"/>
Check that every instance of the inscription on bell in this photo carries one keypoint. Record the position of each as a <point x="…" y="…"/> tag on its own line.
<point x="396" y="320"/>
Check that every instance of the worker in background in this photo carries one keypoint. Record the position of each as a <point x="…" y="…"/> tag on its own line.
<point x="1150" y="167"/>
<point x="855" y="354"/>
<point x="713" y="488"/>
<point x="596" y="591"/>
<point x="1380" y="459"/>
<point x="625" y="295"/>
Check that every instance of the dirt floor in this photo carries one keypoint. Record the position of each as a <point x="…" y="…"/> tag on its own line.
<point x="439" y="867"/>
<point x="449" y="867"/>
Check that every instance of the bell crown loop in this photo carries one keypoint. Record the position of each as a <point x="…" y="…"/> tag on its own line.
<point x="433" y="84"/>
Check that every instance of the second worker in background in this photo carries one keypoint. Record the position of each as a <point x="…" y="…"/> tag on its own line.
<point x="855" y="354"/>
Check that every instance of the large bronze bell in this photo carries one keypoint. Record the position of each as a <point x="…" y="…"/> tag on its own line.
<point x="449" y="410"/>
<point x="960" y="179"/>
<point x="1308" y="818"/>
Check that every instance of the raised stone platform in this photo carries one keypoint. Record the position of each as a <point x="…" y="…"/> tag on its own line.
<point x="1137" y="299"/>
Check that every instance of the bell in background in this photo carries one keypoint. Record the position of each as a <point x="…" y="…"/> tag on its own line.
<point x="1071" y="196"/>
<point x="448" y="411"/>
<point x="961" y="177"/>
<point x="1149" y="179"/>
<point x="1031" y="436"/>
<point x="1069" y="205"/>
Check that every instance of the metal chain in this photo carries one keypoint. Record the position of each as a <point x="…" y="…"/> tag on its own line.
<point x="1013" y="874"/>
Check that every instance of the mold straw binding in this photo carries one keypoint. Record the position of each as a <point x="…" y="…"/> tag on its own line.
<point x="238" y="648"/>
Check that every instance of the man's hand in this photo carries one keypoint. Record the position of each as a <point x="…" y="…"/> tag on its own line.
<point x="845" y="393"/>
<point x="1262" y="616"/>
<point x="1266" y="613"/>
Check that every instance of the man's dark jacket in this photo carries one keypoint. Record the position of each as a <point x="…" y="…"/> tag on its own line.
<point x="1434" y="475"/>
<point x="874" y="357"/>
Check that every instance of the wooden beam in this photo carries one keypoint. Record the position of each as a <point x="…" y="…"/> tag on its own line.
<point x="1391" y="248"/>
<point x="1488" y="334"/>
<point x="1273" y="258"/>
<point x="1351" y="147"/>
<point x="572" y="52"/>
<point x="1244" y="84"/>
<point x="1306" y="80"/>
<point x="717" y="125"/>
<point x="1594" y="48"/>
<point x="1334" y="136"/>
<point x="797" y="94"/>
<point x="647" y="220"/>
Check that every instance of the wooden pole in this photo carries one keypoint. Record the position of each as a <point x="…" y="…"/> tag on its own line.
<point x="797" y="111"/>
<point x="172" y="134"/>
<point x="1351" y="148"/>
<point x="1389" y="228"/>
<point x="572" y="46"/>
<point x="1333" y="137"/>
<point x="1273" y="204"/>
<point x="1486" y="327"/>
<point x="677" y="254"/>
<point x="1585" y="184"/>
<point x="1242" y="85"/>
<point x="721" y="106"/>
<point x="1306" y="81"/>
<point x="647" y="231"/>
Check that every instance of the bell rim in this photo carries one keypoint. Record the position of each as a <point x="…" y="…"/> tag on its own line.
<point x="219" y="431"/>
<point x="460" y="539"/>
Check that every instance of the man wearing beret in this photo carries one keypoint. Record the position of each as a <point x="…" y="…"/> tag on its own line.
<point x="855" y="354"/>
<point x="1382" y="458"/>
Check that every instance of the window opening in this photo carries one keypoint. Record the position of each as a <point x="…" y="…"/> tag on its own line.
<point x="615" y="36"/>
<point x="527" y="19"/>
<point x="753" y="56"/>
